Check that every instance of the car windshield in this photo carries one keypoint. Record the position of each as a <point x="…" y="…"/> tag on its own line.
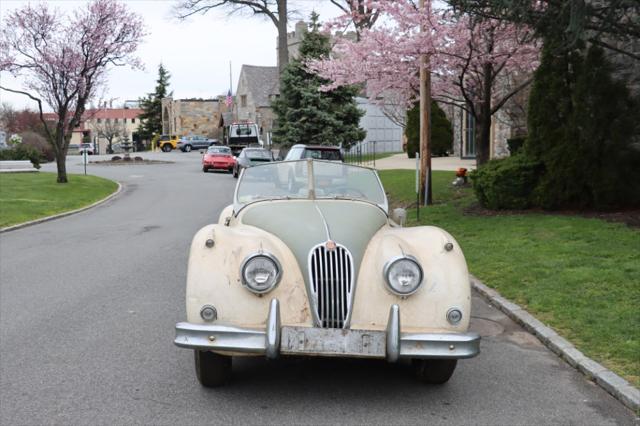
<point x="311" y="179"/>
<point x="258" y="154"/>
<point x="219" y="150"/>
<point x="322" y="154"/>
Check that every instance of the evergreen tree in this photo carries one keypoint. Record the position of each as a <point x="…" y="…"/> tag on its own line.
<point x="308" y="115"/>
<point x="441" y="131"/>
<point x="151" y="118"/>
<point x="582" y="128"/>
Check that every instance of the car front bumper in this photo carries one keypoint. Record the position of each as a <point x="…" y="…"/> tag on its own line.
<point x="277" y="340"/>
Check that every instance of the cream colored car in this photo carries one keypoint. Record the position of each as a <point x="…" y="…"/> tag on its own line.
<point x="324" y="269"/>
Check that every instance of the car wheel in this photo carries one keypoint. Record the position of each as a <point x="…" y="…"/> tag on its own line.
<point x="434" y="371"/>
<point x="205" y="169"/>
<point x="166" y="148"/>
<point x="235" y="173"/>
<point x="230" y="170"/>
<point x="212" y="370"/>
<point x="187" y="148"/>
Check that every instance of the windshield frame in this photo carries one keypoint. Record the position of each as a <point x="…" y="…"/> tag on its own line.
<point x="238" y="207"/>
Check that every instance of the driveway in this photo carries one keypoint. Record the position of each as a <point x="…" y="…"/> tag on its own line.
<point x="401" y="161"/>
<point x="87" y="309"/>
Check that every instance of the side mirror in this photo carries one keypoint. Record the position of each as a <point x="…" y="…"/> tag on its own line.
<point x="399" y="216"/>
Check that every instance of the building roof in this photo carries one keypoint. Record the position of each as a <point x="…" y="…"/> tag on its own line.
<point x="102" y="113"/>
<point x="112" y="113"/>
<point x="262" y="82"/>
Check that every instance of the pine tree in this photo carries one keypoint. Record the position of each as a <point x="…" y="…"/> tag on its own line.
<point x="151" y="118"/>
<point x="582" y="127"/>
<point x="308" y="115"/>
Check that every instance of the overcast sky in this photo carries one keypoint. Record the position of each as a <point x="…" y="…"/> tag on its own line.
<point x="196" y="52"/>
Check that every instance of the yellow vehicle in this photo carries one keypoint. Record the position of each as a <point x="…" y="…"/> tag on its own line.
<point x="166" y="142"/>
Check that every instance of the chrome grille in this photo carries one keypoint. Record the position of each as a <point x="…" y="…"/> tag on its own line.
<point x="331" y="279"/>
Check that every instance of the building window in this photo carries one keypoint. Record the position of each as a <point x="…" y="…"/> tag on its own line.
<point x="107" y="120"/>
<point x="99" y="120"/>
<point x="133" y="120"/>
<point x="243" y="100"/>
<point x="115" y="120"/>
<point x="470" y="135"/>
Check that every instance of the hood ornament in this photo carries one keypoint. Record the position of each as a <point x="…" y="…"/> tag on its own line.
<point x="330" y="245"/>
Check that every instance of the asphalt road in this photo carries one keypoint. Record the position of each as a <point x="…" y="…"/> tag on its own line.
<point x="88" y="305"/>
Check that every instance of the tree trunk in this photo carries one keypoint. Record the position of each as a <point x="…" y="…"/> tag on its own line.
<point x="61" y="163"/>
<point x="483" y="119"/>
<point x="283" y="45"/>
<point x="61" y="156"/>
<point x="483" y="138"/>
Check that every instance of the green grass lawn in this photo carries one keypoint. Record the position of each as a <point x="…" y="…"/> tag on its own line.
<point x="579" y="275"/>
<point x="29" y="196"/>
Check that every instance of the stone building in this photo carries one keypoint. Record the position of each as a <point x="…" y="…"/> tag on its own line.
<point x="201" y="117"/>
<point x="257" y="87"/>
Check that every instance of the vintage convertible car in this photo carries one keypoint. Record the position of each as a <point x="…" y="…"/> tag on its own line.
<point x="323" y="269"/>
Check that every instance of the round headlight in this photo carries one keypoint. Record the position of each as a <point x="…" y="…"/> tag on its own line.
<point x="260" y="273"/>
<point x="403" y="275"/>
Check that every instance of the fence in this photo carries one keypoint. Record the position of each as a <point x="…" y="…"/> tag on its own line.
<point x="366" y="153"/>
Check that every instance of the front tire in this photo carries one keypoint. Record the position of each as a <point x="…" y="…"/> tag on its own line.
<point x="166" y="148"/>
<point x="212" y="370"/>
<point x="187" y="148"/>
<point x="205" y="169"/>
<point x="434" y="371"/>
<point x="235" y="173"/>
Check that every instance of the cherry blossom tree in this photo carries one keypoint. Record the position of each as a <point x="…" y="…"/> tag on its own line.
<point x="476" y="64"/>
<point x="62" y="60"/>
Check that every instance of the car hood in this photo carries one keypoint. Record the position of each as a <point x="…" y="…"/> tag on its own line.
<point x="302" y="224"/>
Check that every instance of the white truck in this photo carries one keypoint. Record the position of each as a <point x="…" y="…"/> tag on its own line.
<point x="241" y="135"/>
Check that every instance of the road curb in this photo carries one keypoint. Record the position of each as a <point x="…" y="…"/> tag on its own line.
<point x="622" y="390"/>
<point x="58" y="216"/>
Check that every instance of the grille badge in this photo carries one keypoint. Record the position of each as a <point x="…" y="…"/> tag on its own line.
<point x="330" y="245"/>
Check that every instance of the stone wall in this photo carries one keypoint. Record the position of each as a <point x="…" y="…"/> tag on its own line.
<point x="192" y="117"/>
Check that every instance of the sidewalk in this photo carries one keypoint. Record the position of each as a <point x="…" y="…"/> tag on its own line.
<point x="401" y="161"/>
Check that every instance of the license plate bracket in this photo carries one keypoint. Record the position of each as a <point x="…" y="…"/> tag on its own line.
<point x="333" y="342"/>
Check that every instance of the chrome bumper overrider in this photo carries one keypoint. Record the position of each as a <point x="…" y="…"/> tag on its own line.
<point x="275" y="340"/>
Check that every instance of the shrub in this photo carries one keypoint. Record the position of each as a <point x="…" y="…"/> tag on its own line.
<point x="21" y="152"/>
<point x="39" y="143"/>
<point x="515" y="144"/>
<point x="441" y="131"/>
<point x="506" y="183"/>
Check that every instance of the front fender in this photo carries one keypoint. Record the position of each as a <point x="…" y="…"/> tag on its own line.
<point x="213" y="278"/>
<point x="446" y="282"/>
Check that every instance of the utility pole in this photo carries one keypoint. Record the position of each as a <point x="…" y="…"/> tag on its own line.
<point x="425" y="122"/>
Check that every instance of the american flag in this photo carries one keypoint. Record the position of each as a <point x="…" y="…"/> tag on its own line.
<point x="229" y="100"/>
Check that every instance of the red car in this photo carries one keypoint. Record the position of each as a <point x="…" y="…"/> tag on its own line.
<point x="218" y="158"/>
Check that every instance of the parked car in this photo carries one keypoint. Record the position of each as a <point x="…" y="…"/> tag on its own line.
<point x="218" y="158"/>
<point x="326" y="270"/>
<point x="249" y="157"/>
<point x="74" y="148"/>
<point x="317" y="152"/>
<point x="187" y="143"/>
<point x="166" y="142"/>
<point x="88" y="147"/>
